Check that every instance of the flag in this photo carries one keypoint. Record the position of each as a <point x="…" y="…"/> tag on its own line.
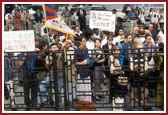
<point x="54" y="21"/>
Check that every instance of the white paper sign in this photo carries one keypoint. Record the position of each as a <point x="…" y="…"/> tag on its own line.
<point x="19" y="41"/>
<point x="104" y="20"/>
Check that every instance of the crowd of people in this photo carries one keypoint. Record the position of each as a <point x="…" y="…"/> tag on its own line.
<point x="92" y="55"/>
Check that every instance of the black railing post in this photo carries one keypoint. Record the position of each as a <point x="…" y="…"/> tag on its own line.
<point x="55" y="81"/>
<point x="64" y="80"/>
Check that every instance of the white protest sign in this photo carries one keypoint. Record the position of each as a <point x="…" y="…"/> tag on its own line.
<point x="19" y="41"/>
<point x="104" y="20"/>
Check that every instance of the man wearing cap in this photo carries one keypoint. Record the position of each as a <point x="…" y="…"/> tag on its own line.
<point x="82" y="18"/>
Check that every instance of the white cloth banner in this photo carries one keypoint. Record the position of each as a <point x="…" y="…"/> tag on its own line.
<point x="104" y="20"/>
<point x="19" y="41"/>
<point x="59" y="25"/>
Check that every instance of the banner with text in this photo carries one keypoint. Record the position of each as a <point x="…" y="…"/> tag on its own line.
<point x="19" y="41"/>
<point x="104" y="20"/>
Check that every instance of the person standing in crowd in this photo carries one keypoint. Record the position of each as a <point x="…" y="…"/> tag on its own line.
<point x="154" y="16"/>
<point x="82" y="18"/>
<point x="106" y="48"/>
<point x="23" y="19"/>
<point x="120" y="38"/>
<point x="38" y="19"/>
<point x="27" y="62"/>
<point x="161" y="18"/>
<point x="115" y="71"/>
<point x="132" y="15"/>
<point x="153" y="31"/>
<point x="77" y="32"/>
<point x="81" y="62"/>
<point x="138" y="66"/>
<point x="104" y="38"/>
<point x="28" y="21"/>
<point x="13" y="11"/>
<point x="74" y="19"/>
<point x="9" y="72"/>
<point x="66" y="14"/>
<point x="161" y="34"/>
<point x="141" y="18"/>
<point x="98" y="77"/>
<point x="70" y="73"/>
<point x="158" y="41"/>
<point x="135" y="32"/>
<point x="50" y="76"/>
<point x="17" y="20"/>
<point x="9" y="23"/>
<point x="29" y="25"/>
<point x="127" y="49"/>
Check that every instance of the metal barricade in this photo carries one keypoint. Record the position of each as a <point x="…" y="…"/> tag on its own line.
<point x="128" y="90"/>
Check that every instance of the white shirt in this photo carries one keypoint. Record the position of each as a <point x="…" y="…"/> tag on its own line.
<point x="103" y="42"/>
<point x="90" y="46"/>
<point x="161" y="35"/>
<point x="117" y="40"/>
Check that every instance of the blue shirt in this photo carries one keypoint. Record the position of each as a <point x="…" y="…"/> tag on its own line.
<point x="29" y="62"/>
<point x="132" y="13"/>
<point x="153" y="49"/>
<point x="125" y="48"/>
<point x="79" y="56"/>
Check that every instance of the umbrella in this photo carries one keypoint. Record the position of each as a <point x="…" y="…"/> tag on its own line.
<point x="6" y="16"/>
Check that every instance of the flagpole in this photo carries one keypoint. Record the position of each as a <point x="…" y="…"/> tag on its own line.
<point x="44" y="13"/>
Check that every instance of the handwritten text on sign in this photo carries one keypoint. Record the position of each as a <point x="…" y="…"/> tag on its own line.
<point x="19" y="41"/>
<point x="102" y="19"/>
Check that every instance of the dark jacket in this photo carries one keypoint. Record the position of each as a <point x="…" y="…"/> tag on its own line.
<point x="38" y="18"/>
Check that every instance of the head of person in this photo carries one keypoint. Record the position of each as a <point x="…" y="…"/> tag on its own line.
<point x="110" y="40"/>
<point x="139" y="10"/>
<point x="81" y="7"/>
<point x="9" y="16"/>
<point x="54" y="47"/>
<point x="21" y="9"/>
<point x="148" y="39"/>
<point x="97" y="43"/>
<point x="82" y="41"/>
<point x="37" y="42"/>
<point x="161" y="11"/>
<point x="159" y="40"/>
<point x="121" y="32"/>
<point x="43" y="46"/>
<point x="38" y="10"/>
<point x="135" y="30"/>
<point x="141" y="31"/>
<point x="77" y="29"/>
<point x="67" y="45"/>
<point x="154" y="10"/>
<point x="137" y="43"/>
<point x="129" y="38"/>
<point x="151" y="27"/>
<point x="114" y="11"/>
<point x="56" y="38"/>
<point x="115" y="51"/>
<point x="105" y="34"/>
<point x="72" y="37"/>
